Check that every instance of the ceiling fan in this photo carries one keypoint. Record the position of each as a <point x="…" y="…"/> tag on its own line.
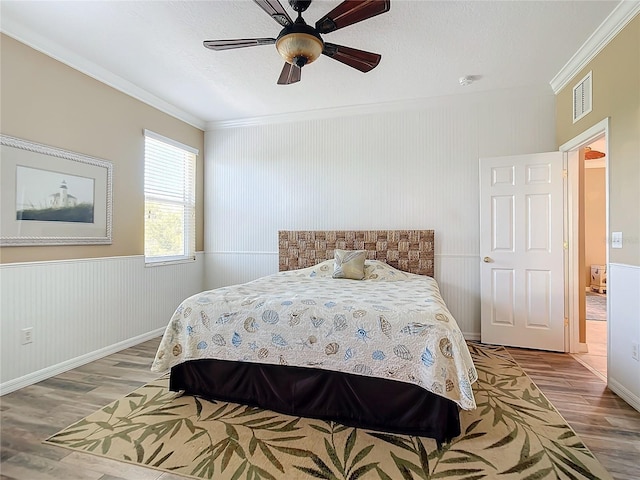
<point x="300" y="44"/>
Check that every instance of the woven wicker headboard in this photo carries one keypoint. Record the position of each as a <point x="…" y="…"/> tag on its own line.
<point x="407" y="250"/>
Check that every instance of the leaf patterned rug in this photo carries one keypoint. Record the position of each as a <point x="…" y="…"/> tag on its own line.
<point x="515" y="433"/>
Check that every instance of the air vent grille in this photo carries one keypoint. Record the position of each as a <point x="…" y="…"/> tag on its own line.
<point x="582" y="98"/>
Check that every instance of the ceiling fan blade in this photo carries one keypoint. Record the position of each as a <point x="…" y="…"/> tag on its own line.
<point x="290" y="74"/>
<point x="350" y="12"/>
<point x="238" y="43"/>
<point x="358" y="59"/>
<point x="275" y="10"/>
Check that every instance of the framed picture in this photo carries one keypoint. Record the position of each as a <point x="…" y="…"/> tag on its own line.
<point x="51" y="196"/>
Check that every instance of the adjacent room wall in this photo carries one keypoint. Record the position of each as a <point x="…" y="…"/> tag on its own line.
<point x="595" y="217"/>
<point x="409" y="166"/>
<point x="616" y="77"/>
<point x="84" y="302"/>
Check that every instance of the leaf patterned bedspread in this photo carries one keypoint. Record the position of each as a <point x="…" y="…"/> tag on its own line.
<point x="392" y="324"/>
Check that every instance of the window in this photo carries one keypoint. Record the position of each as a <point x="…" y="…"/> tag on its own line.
<point x="169" y="200"/>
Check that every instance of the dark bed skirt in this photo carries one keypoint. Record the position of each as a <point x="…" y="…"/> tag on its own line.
<point x="354" y="400"/>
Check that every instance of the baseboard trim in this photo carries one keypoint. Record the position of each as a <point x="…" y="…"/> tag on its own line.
<point x="53" y="370"/>
<point x="624" y="393"/>
<point x="583" y="348"/>
<point x="475" y="337"/>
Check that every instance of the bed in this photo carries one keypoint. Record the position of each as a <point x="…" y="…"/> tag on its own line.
<point x="382" y="352"/>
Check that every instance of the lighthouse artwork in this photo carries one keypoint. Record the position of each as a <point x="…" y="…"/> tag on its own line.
<point x="44" y="195"/>
<point x="62" y="198"/>
<point x="52" y="196"/>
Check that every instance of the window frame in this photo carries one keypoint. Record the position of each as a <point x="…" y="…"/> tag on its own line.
<point x="188" y="202"/>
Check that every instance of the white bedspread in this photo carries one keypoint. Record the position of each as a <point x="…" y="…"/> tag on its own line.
<point x="392" y="324"/>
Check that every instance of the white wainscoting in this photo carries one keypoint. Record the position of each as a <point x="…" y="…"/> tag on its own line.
<point x="623" y="372"/>
<point x="457" y="275"/>
<point x="81" y="310"/>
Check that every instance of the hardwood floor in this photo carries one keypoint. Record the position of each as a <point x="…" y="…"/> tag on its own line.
<point x="596" y="358"/>
<point x="604" y="422"/>
<point x="596" y="324"/>
<point x="609" y="427"/>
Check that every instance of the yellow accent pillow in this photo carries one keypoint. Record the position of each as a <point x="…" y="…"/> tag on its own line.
<point x="349" y="264"/>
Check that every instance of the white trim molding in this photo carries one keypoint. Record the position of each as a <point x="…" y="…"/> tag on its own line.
<point x="82" y="310"/>
<point x="623" y="304"/>
<point x="589" y="135"/>
<point x="616" y="21"/>
<point x="624" y="393"/>
<point x="379" y="108"/>
<point x="53" y="370"/>
<point x="93" y="70"/>
<point x="570" y="149"/>
<point x="612" y="25"/>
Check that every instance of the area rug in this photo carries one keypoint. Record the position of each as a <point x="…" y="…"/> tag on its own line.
<point x="596" y="306"/>
<point x="515" y="433"/>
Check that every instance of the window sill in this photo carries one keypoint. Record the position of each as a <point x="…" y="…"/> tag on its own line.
<point x="171" y="261"/>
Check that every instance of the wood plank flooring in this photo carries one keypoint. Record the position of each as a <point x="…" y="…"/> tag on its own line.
<point x="606" y="424"/>
<point x="609" y="427"/>
<point x="596" y="358"/>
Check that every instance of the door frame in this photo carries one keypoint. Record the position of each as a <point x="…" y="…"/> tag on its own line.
<point x="572" y="158"/>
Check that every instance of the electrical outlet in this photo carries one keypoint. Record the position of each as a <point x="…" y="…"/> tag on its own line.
<point x="26" y="334"/>
<point x="634" y="352"/>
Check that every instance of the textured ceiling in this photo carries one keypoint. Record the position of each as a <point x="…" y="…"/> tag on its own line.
<point x="426" y="46"/>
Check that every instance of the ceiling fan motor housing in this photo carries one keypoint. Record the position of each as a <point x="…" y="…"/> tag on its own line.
<point x="299" y="5"/>
<point x="299" y="44"/>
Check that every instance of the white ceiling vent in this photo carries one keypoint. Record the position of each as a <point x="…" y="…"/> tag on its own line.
<point x="582" y="98"/>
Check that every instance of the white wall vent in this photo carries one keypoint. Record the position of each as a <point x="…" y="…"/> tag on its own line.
<point x="582" y="98"/>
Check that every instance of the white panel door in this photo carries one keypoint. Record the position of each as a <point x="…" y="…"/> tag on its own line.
<point x="521" y="246"/>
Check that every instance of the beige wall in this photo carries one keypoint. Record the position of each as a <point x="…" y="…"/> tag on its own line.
<point x="47" y="102"/>
<point x="595" y="245"/>
<point x="616" y="94"/>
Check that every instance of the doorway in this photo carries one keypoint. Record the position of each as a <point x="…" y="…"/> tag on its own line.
<point x="594" y="221"/>
<point x="588" y="252"/>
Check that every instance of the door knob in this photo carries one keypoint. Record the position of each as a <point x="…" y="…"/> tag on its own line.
<point x="486" y="259"/>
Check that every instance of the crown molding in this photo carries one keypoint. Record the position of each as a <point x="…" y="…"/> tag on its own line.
<point x="406" y="105"/>
<point x="77" y="62"/>
<point x="304" y="116"/>
<point x="624" y="12"/>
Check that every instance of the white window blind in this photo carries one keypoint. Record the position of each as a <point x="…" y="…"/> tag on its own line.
<point x="169" y="200"/>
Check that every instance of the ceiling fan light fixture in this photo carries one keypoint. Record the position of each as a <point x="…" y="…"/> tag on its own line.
<point x="590" y="154"/>
<point x="297" y="45"/>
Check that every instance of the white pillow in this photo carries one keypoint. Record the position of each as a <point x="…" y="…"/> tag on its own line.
<point x="349" y="264"/>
